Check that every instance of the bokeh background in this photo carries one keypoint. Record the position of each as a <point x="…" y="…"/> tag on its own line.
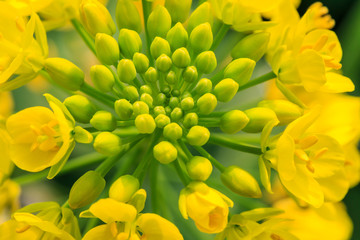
<point x="66" y="43"/>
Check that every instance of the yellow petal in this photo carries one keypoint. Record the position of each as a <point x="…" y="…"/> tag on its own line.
<point x="100" y="232"/>
<point x="336" y="83"/>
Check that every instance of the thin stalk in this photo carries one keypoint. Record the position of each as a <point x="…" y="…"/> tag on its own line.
<point x="207" y="155"/>
<point x="127" y="123"/>
<point x="258" y="81"/>
<point x="229" y="143"/>
<point x="101" y="97"/>
<point x="179" y="170"/>
<point x="185" y="149"/>
<point x="154" y="186"/>
<point x="89" y="41"/>
<point x="220" y="36"/>
<point x="146" y="11"/>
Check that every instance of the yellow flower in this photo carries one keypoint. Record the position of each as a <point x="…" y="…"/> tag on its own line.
<point x="207" y="207"/>
<point x="41" y="138"/>
<point x="123" y="222"/>
<point x="310" y="165"/>
<point x="20" y="53"/>
<point x="6" y="106"/>
<point x="9" y="196"/>
<point x="327" y="222"/>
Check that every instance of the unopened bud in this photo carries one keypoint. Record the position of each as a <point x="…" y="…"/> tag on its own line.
<point x="181" y="58"/>
<point x="259" y="117"/>
<point x="285" y="111"/>
<point x="141" y="62"/>
<point x="102" y="78"/>
<point x="241" y="182"/>
<point x="173" y="131"/>
<point x="145" y="123"/>
<point x="96" y="18"/>
<point x="206" y="62"/>
<point x="199" y="168"/>
<point x="126" y="70"/>
<point x="190" y="74"/>
<point x="64" y="73"/>
<point x="198" y="135"/>
<point x="165" y="152"/>
<point x="203" y="86"/>
<point x="151" y="75"/>
<point x="130" y="42"/>
<point x="123" y="109"/>
<point x="176" y="114"/>
<point x="127" y="15"/>
<point x="103" y="121"/>
<point x="159" y="110"/>
<point x="177" y="37"/>
<point x="80" y="108"/>
<point x="161" y="99"/>
<point x="158" y="47"/>
<point x="140" y="107"/>
<point x="131" y="93"/>
<point x="159" y="22"/>
<point x="187" y="103"/>
<point x="206" y="103"/>
<point x="107" y="143"/>
<point x="226" y="89"/>
<point x="200" y="15"/>
<point x="145" y="89"/>
<point x="124" y="188"/>
<point x="82" y="136"/>
<point x="253" y="46"/>
<point x="86" y="189"/>
<point x="190" y="120"/>
<point x="233" y="121"/>
<point x="163" y="63"/>
<point x="147" y="98"/>
<point x="171" y="78"/>
<point x="107" y="49"/>
<point x="240" y="70"/>
<point x="162" y="120"/>
<point x="179" y="10"/>
<point x="201" y="38"/>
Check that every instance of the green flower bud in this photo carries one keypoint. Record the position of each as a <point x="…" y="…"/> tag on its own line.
<point x="138" y="200"/>
<point x="203" y="86"/>
<point x="199" y="168"/>
<point x="165" y="152"/>
<point x="187" y="103"/>
<point x="190" y="120"/>
<point x="151" y="75"/>
<point x="226" y="89"/>
<point x="145" y="123"/>
<point x="159" y="22"/>
<point x="173" y="131"/>
<point x="233" y="121"/>
<point x="159" y="110"/>
<point x="126" y="71"/>
<point x="175" y="92"/>
<point x="82" y="136"/>
<point x="130" y="42"/>
<point x="131" y="93"/>
<point x="141" y="62"/>
<point x="86" y="189"/>
<point x="140" y="107"/>
<point x="241" y="182"/>
<point x="206" y="103"/>
<point x="171" y="78"/>
<point x="174" y="102"/>
<point x="145" y="89"/>
<point x="253" y="46"/>
<point x="147" y="98"/>
<point x="168" y="110"/>
<point x="107" y="49"/>
<point x="285" y="111"/>
<point x="107" y="143"/>
<point x="179" y="10"/>
<point x="127" y="15"/>
<point x="185" y="95"/>
<point x="201" y="38"/>
<point x="103" y="121"/>
<point x="190" y="74"/>
<point x="162" y="120"/>
<point x="176" y="114"/>
<point x="206" y="62"/>
<point x="198" y="136"/>
<point x="161" y="99"/>
<point x="163" y="63"/>
<point x="102" y="78"/>
<point x="240" y="70"/>
<point x="124" y="188"/>
<point x="81" y="108"/>
<point x="177" y="36"/>
<point x="64" y="73"/>
<point x="158" y="47"/>
<point x="165" y="90"/>
<point x="259" y="117"/>
<point x="201" y="14"/>
<point x="96" y="18"/>
<point x="181" y="58"/>
<point x="123" y="109"/>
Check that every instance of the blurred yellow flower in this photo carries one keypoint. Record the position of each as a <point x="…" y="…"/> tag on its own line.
<point x="9" y="196"/>
<point x="207" y="207"/>
<point x="40" y="138"/>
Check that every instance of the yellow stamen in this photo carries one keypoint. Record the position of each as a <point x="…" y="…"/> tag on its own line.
<point x="20" y="24"/>
<point x="23" y="228"/>
<point x="321" y="152"/>
<point x="275" y="237"/>
<point x="321" y="42"/>
<point x="308" y="141"/>
<point x="301" y="154"/>
<point x="310" y="167"/>
<point x="113" y="229"/>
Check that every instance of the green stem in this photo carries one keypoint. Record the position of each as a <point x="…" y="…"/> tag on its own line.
<point x="75" y="163"/>
<point x="207" y="155"/>
<point x="258" y="80"/>
<point x="185" y="149"/>
<point x="226" y="142"/>
<point x="126" y="132"/>
<point x="92" y="92"/>
<point x="154" y="186"/>
<point x="127" y="123"/>
<point x="84" y="34"/>
<point x="146" y="11"/>
<point x="180" y="171"/>
<point x="217" y="77"/>
<point x="106" y="166"/>
<point x="220" y="35"/>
